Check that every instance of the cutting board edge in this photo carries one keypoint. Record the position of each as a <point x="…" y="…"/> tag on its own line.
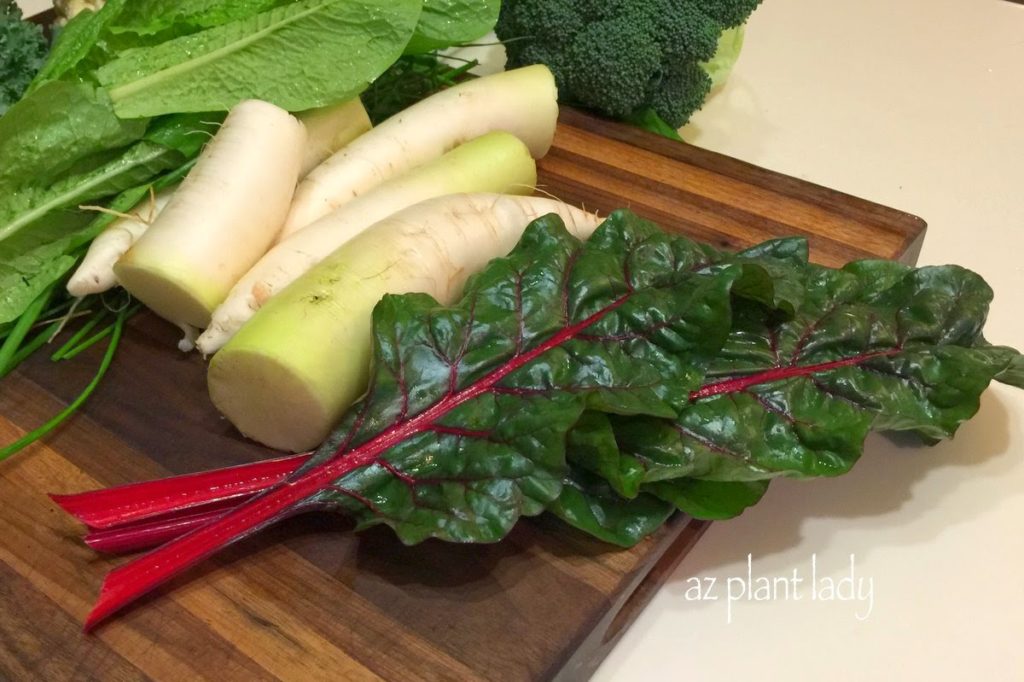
<point x="912" y="227"/>
<point x="644" y="584"/>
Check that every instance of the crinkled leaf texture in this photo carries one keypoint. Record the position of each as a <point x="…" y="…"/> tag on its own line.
<point x="463" y="427"/>
<point x="875" y="345"/>
<point x="554" y="328"/>
<point x="598" y="508"/>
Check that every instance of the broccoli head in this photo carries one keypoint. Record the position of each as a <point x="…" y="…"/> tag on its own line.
<point x="623" y="57"/>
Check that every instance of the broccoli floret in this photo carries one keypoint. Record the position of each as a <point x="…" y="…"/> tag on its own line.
<point x="22" y="51"/>
<point x="609" y="64"/>
<point x="729" y="13"/>
<point x="681" y="90"/>
<point x="541" y="22"/>
<point x="685" y="32"/>
<point x="622" y="57"/>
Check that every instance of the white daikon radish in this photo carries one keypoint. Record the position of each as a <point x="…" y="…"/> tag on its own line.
<point x="289" y="373"/>
<point x="523" y="102"/>
<point x="330" y="128"/>
<point x="495" y="162"/>
<point x="95" y="274"/>
<point x="222" y="218"/>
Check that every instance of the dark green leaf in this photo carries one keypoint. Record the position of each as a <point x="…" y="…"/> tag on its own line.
<point x="874" y="345"/>
<point x="710" y="500"/>
<point x="588" y="503"/>
<point x="591" y="446"/>
<point x="1013" y="374"/>
<point x="412" y="78"/>
<point x="465" y="423"/>
<point x="484" y="392"/>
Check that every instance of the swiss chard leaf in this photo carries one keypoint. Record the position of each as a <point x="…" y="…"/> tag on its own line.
<point x="552" y="329"/>
<point x="874" y="346"/>
<point x="1013" y="373"/>
<point x="465" y="425"/>
<point x="591" y="446"/>
<point x="606" y="479"/>
<point x="588" y="503"/>
<point x="709" y="500"/>
<point x="342" y="45"/>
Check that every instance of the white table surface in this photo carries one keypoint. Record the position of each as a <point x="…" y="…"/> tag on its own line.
<point x="919" y="105"/>
<point x="916" y="104"/>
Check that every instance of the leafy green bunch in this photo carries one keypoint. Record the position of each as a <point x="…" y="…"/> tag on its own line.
<point x="130" y="93"/>
<point x="627" y="60"/>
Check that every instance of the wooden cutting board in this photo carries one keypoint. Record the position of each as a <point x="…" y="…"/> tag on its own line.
<point x="309" y="599"/>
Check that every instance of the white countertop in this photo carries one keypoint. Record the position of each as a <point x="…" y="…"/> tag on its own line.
<point x="916" y="104"/>
<point x="919" y="105"/>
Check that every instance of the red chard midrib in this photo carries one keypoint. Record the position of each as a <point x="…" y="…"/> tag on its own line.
<point x="201" y="534"/>
<point x="205" y="533"/>
<point x="138" y="577"/>
<point x="120" y="505"/>
<point x="737" y="384"/>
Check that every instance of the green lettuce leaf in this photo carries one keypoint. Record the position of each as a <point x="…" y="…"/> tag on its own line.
<point x="444" y="23"/>
<point x="69" y="57"/>
<point x="149" y="17"/>
<point x="341" y="44"/>
<point x="31" y="259"/>
<point x="58" y="128"/>
<point x="44" y="227"/>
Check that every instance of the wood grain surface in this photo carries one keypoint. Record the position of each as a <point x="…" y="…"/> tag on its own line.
<point x="309" y="599"/>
